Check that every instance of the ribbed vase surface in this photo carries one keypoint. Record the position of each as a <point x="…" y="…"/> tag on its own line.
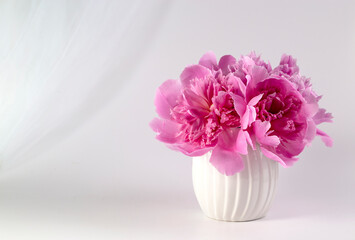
<point x="245" y="196"/>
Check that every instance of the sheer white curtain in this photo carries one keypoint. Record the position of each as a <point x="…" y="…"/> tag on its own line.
<point x="60" y="62"/>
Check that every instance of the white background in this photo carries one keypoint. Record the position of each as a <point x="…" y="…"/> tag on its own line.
<point x="77" y="83"/>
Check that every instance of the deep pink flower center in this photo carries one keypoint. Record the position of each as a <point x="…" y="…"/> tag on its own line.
<point x="275" y="105"/>
<point x="282" y="109"/>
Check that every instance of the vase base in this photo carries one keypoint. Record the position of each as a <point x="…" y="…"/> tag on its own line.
<point x="234" y="220"/>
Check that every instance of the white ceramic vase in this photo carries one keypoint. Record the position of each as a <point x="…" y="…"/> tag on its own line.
<point x="245" y="196"/>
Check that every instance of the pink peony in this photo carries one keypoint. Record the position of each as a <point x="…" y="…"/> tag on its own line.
<point x="224" y="107"/>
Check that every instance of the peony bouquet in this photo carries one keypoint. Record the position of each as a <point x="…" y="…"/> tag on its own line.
<point x="234" y="106"/>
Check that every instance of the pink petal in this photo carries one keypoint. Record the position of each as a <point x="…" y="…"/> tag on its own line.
<point x="228" y="138"/>
<point x="247" y="113"/>
<point x="272" y="141"/>
<point x="227" y="162"/>
<point x="248" y="78"/>
<point x="310" y="132"/>
<point x="328" y="141"/>
<point x="166" y="97"/>
<point x="249" y="140"/>
<point x="289" y="161"/>
<point x="239" y="104"/>
<point x="195" y="100"/>
<point x="241" y="86"/>
<point x="255" y="100"/>
<point x="241" y="144"/>
<point x="162" y="107"/>
<point x="248" y="62"/>
<point x="244" y="121"/>
<point x="258" y="74"/>
<point x="192" y="72"/>
<point x="291" y="148"/>
<point x="288" y="65"/>
<point x="208" y="60"/>
<point x="189" y="150"/>
<point x="225" y="62"/>
<point x="252" y="114"/>
<point x="260" y="129"/>
<point x="235" y="85"/>
<point x="322" y="116"/>
<point x="272" y="156"/>
<point x="311" y="106"/>
<point x="167" y="131"/>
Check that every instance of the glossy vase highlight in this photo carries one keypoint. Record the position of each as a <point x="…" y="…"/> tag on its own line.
<point x="245" y="196"/>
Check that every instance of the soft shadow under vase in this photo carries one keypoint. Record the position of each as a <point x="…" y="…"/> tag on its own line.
<point x="245" y="196"/>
